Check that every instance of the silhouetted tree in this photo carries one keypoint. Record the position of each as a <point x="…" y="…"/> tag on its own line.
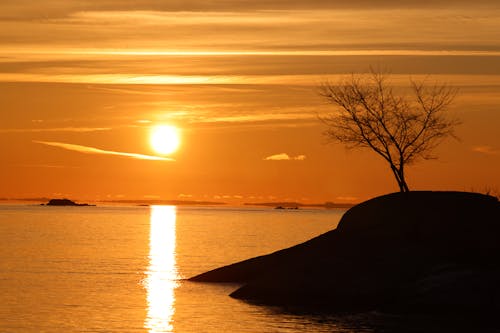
<point x="371" y="114"/>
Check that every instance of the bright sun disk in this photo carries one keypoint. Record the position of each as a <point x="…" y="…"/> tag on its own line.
<point x="165" y="139"/>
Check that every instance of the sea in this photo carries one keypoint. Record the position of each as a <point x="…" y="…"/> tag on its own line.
<point x="125" y="269"/>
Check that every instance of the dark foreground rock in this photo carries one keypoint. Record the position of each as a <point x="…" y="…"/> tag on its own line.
<point x="64" y="202"/>
<point x="414" y="252"/>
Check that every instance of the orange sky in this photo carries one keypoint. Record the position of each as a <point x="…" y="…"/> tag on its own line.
<point x="239" y="79"/>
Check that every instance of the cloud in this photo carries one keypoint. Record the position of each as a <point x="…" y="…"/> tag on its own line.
<point x="26" y="9"/>
<point x="57" y="129"/>
<point x="260" y="117"/>
<point x="92" y="150"/>
<point x="218" y="47"/>
<point x="488" y="150"/>
<point x="285" y="157"/>
<point x="297" y="29"/>
<point x="278" y="157"/>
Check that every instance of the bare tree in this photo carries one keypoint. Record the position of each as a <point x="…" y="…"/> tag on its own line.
<point x="371" y="114"/>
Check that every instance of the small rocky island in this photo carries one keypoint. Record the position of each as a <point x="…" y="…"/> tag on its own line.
<point x="431" y="252"/>
<point x="64" y="202"/>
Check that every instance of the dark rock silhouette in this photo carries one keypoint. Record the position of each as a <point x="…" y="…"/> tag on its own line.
<point x="64" y="202"/>
<point x="415" y="252"/>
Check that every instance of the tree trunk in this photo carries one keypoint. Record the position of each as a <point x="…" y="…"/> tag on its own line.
<point x="400" y="178"/>
<point x="396" y="175"/>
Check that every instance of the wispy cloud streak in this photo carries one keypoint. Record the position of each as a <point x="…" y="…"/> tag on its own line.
<point x="57" y="129"/>
<point x="92" y="150"/>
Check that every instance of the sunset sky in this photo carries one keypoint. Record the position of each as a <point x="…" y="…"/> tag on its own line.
<point x="82" y="84"/>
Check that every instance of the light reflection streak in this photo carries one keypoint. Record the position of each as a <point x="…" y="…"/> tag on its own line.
<point x="162" y="273"/>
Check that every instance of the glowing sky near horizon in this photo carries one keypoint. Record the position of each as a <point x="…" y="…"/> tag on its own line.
<point x="239" y="78"/>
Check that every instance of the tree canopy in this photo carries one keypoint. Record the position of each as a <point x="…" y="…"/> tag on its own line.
<point x="370" y="113"/>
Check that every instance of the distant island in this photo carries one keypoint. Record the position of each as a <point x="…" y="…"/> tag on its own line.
<point x="415" y="252"/>
<point x="295" y="205"/>
<point x="64" y="202"/>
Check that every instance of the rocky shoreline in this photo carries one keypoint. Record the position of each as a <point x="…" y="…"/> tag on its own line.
<point x="421" y="251"/>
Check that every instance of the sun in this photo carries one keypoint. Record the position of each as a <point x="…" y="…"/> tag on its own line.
<point x="165" y="139"/>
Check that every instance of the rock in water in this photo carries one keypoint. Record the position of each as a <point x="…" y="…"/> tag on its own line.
<point x="417" y="251"/>
<point x="64" y="202"/>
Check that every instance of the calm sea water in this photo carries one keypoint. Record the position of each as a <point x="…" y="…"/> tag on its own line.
<point x="121" y="269"/>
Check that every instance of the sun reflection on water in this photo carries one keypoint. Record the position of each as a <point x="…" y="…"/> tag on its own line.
<point x="162" y="273"/>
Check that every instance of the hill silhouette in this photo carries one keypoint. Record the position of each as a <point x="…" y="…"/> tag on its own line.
<point x="417" y="252"/>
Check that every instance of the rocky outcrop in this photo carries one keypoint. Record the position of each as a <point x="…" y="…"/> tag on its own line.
<point x="64" y="202"/>
<point x="418" y="251"/>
